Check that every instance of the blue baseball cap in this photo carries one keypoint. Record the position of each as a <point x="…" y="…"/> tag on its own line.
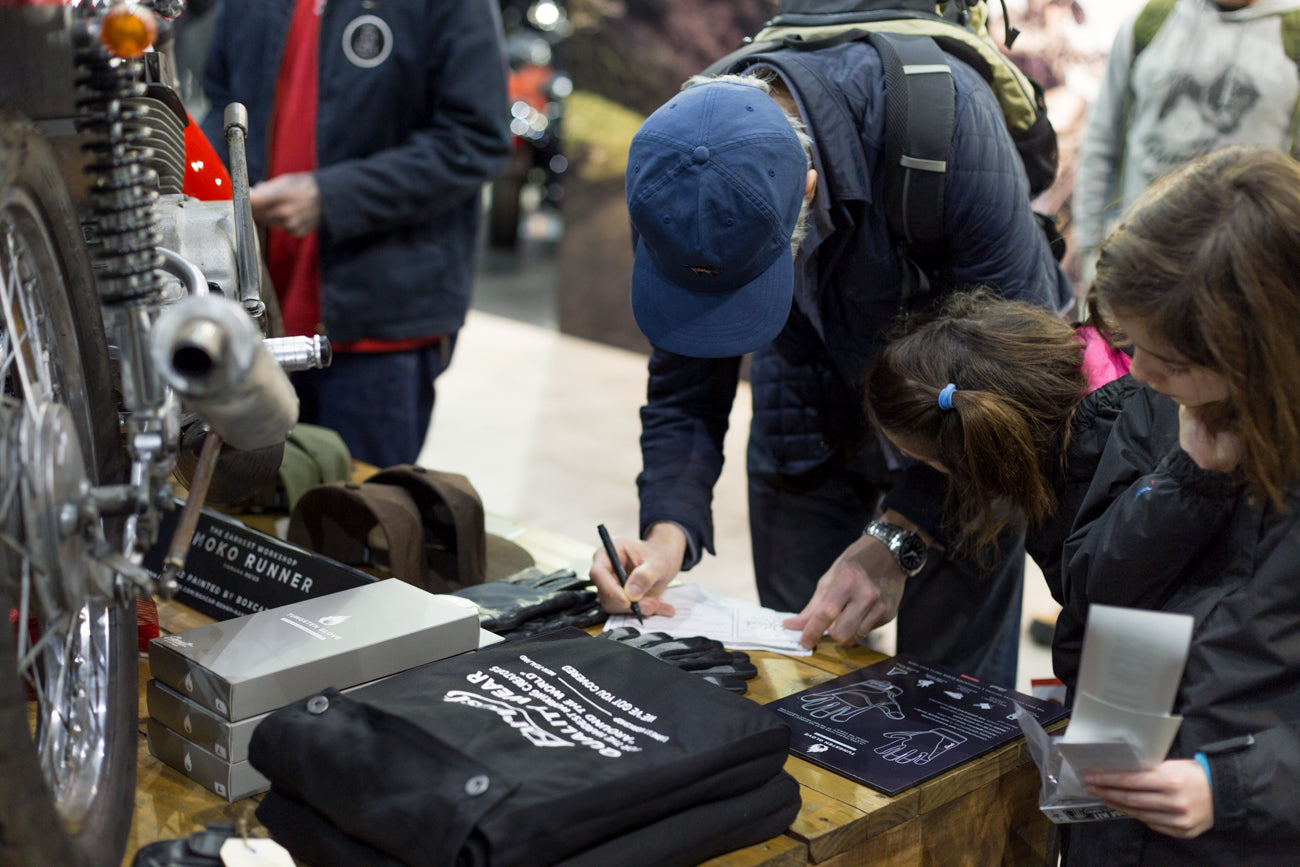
<point x="715" y="181"/>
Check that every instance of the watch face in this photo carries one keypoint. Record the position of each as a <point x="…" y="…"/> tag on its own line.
<point x="911" y="552"/>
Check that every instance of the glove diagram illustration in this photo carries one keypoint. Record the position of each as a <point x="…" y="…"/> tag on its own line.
<point x="843" y="704"/>
<point x="918" y="748"/>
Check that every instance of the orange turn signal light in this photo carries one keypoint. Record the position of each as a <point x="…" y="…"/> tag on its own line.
<point x="128" y="30"/>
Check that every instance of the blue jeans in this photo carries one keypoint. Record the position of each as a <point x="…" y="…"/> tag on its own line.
<point x="956" y="613"/>
<point x="381" y="403"/>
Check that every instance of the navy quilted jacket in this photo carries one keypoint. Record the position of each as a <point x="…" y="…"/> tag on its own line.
<point x="806" y="384"/>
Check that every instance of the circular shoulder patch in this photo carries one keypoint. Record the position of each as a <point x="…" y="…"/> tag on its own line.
<point x="367" y="41"/>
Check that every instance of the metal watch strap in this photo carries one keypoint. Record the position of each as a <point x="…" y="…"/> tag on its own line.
<point x="891" y="535"/>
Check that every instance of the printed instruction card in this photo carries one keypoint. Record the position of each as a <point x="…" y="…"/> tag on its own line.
<point x="902" y="721"/>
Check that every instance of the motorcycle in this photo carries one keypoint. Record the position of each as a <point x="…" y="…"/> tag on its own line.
<point x="132" y="330"/>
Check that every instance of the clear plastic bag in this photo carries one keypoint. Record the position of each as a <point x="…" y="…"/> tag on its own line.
<point x="1061" y="796"/>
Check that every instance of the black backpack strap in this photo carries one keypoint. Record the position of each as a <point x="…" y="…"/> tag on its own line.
<point x="920" y="110"/>
<point x="920" y="106"/>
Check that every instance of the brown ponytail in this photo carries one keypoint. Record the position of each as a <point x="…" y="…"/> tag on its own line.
<point x="1018" y="372"/>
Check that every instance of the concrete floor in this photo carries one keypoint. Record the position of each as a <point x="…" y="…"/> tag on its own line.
<point x="545" y="425"/>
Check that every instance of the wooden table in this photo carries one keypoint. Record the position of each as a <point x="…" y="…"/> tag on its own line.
<point x="981" y="813"/>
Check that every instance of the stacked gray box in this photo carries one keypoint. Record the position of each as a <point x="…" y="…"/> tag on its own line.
<point x="230" y="780"/>
<point x="200" y="726"/>
<point x="214" y="684"/>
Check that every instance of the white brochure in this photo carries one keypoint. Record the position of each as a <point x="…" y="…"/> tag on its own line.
<point x="737" y="624"/>
<point x="1132" y="664"/>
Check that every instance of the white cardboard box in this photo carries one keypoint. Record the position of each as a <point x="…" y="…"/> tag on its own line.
<point x="260" y="662"/>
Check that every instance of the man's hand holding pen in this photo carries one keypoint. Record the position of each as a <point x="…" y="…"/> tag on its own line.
<point x="650" y="564"/>
<point x="617" y="562"/>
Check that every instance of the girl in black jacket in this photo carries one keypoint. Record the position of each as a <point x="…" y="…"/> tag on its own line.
<point x="1203" y="277"/>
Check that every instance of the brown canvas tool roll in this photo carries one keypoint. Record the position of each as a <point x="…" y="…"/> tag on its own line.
<point x="375" y="528"/>
<point x="451" y="514"/>
<point x="426" y="527"/>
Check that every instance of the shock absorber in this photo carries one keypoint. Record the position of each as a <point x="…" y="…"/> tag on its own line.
<point x="123" y="187"/>
<point x="122" y="241"/>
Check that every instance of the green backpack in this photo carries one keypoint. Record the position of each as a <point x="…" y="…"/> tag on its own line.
<point x="914" y="39"/>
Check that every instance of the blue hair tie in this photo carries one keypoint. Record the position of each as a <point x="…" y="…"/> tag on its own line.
<point x="945" y="395"/>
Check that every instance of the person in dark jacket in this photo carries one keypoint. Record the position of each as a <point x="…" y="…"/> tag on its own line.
<point x="716" y="181"/>
<point x="1203" y="277"/>
<point x="372" y="129"/>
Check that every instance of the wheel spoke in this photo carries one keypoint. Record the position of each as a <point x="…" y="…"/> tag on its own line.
<point x="61" y="653"/>
<point x="18" y="323"/>
<point x="48" y="637"/>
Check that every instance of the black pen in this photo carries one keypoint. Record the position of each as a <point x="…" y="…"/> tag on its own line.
<point x="618" y="567"/>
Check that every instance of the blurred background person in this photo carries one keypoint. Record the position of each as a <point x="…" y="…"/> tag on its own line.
<point x="372" y="131"/>
<point x="1185" y="77"/>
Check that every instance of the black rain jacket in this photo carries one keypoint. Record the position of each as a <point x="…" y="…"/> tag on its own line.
<point x="847" y="293"/>
<point x="1187" y="540"/>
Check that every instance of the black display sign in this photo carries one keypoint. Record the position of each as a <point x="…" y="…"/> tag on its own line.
<point x="902" y="721"/>
<point x="232" y="570"/>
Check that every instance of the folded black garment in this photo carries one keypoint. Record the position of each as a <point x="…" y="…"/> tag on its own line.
<point x="313" y="839"/>
<point x="703" y="832"/>
<point x="680" y="840"/>
<point x="531" y="602"/>
<point x="551" y="745"/>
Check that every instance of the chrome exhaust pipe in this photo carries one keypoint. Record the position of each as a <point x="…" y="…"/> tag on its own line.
<point x="211" y="353"/>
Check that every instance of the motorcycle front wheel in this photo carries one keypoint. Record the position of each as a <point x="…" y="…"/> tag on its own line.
<point x="68" y="696"/>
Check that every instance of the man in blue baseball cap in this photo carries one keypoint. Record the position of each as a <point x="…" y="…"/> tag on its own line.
<point x="714" y="272"/>
<point x="756" y="203"/>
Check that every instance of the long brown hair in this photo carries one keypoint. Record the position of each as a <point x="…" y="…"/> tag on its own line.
<point x="1018" y="372"/>
<point x="1209" y="260"/>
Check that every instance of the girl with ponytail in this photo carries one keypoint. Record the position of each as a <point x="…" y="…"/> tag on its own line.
<point x="1013" y="405"/>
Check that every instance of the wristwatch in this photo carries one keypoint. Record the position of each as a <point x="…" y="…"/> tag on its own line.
<point x="907" y="547"/>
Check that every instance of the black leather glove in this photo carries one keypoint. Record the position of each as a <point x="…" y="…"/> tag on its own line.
<point x="560" y="579"/>
<point x="531" y="602"/>
<point x="704" y="657"/>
